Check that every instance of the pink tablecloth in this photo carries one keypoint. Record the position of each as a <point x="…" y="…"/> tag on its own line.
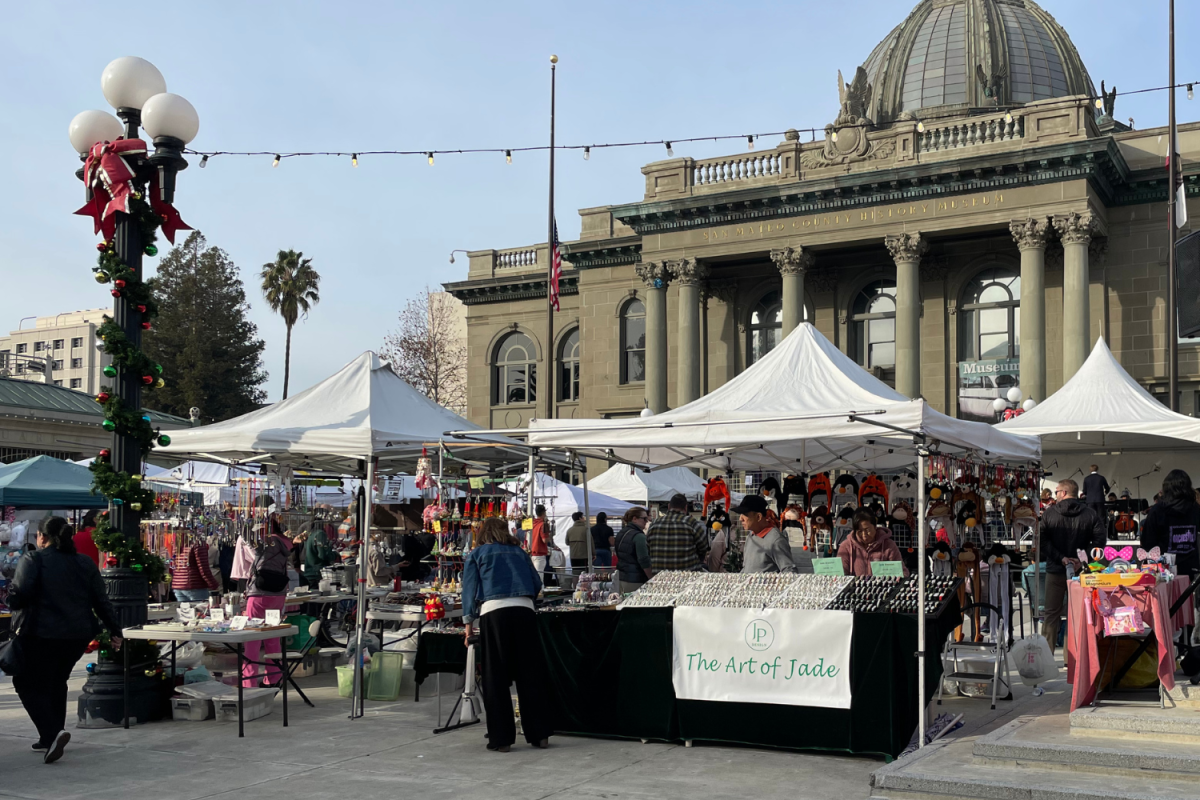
<point x="1187" y="614"/>
<point x="1084" y="630"/>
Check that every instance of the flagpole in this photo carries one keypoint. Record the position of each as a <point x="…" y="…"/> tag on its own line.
<point x="1172" y="211"/>
<point x="548" y="380"/>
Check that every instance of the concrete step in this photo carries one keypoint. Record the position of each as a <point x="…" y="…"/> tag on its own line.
<point x="1138" y="722"/>
<point x="949" y="771"/>
<point x="1046" y="743"/>
<point x="1184" y="695"/>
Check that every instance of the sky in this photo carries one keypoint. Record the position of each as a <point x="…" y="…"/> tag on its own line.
<point x="297" y="76"/>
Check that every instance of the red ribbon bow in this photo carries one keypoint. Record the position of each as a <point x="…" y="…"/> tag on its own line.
<point x="110" y="177"/>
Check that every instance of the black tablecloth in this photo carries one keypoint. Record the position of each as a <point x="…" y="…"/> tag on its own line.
<point x="439" y="652"/>
<point x="611" y="676"/>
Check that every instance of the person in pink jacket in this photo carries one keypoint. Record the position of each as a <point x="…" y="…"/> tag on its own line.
<point x="867" y="542"/>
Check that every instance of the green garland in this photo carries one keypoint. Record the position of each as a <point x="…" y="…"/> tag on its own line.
<point x="119" y="487"/>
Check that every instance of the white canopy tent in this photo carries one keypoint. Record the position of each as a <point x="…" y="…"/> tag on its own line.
<point x="1103" y="416"/>
<point x="638" y="486"/>
<point x="562" y="500"/>
<point x="804" y="407"/>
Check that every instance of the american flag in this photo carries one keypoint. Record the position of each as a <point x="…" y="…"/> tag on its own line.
<point x="555" y="268"/>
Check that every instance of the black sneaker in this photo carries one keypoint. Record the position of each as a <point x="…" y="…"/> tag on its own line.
<point x="40" y="747"/>
<point x="56" y="749"/>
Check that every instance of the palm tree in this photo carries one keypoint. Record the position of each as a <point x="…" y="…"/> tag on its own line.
<point x="291" y="287"/>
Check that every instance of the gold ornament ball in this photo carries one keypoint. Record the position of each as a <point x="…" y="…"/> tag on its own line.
<point x="935" y="493"/>
<point x="160" y="383"/>
<point x="972" y="522"/>
<point x="136" y="506"/>
<point x="553" y="59"/>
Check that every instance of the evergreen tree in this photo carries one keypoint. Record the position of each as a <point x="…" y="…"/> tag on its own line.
<point x="210" y="351"/>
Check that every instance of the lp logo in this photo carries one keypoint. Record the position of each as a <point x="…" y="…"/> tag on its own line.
<point x="760" y="635"/>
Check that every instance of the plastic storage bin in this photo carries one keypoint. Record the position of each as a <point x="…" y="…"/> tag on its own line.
<point x="302" y="667"/>
<point x="259" y="703"/>
<point x="386" y="676"/>
<point x="328" y="658"/>
<point x="193" y="709"/>
<point x="345" y="676"/>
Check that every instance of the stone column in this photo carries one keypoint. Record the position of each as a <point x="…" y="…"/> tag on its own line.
<point x="655" y="276"/>
<point x="1030" y="236"/>
<point x="907" y="249"/>
<point x="689" y="274"/>
<point x="1076" y="232"/>
<point x="793" y="263"/>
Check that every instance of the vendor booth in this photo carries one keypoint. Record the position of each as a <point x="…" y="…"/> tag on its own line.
<point x="562" y="500"/>
<point x="805" y="408"/>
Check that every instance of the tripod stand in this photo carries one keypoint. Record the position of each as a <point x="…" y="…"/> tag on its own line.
<point x="465" y="705"/>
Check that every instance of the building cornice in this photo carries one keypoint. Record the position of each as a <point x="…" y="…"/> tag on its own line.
<point x="500" y="290"/>
<point x="593" y="254"/>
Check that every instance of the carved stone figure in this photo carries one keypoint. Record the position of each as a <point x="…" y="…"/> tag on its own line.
<point x="855" y="98"/>
<point x="991" y="84"/>
<point x="1110" y="101"/>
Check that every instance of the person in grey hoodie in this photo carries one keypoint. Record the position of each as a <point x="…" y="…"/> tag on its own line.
<point x="766" y="549"/>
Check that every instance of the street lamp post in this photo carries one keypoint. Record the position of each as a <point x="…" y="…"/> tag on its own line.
<point x="129" y="192"/>
<point x="1010" y="405"/>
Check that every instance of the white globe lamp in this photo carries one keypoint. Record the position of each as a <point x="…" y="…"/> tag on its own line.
<point x="130" y="81"/>
<point x="999" y="404"/>
<point x="91" y="127"/>
<point x="1014" y="395"/>
<point x="1029" y="404"/>
<point x="170" y="115"/>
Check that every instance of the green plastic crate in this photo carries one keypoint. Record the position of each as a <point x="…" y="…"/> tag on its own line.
<point x="387" y="669"/>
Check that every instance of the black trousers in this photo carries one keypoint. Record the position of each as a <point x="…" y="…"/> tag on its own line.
<point x="513" y="654"/>
<point x="43" y="685"/>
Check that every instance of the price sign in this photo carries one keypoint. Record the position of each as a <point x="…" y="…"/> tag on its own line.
<point x="217" y="614"/>
<point x="527" y="524"/>
<point x="272" y="616"/>
<point x="437" y="526"/>
<point x="828" y="566"/>
<point x="238" y="623"/>
<point x="476" y="483"/>
<point x="887" y="569"/>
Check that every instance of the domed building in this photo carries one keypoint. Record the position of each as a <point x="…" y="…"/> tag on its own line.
<point x="972" y="220"/>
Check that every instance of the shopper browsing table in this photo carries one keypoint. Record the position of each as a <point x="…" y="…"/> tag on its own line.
<point x="579" y="541"/>
<point x="193" y="581"/>
<point x="602" y="540"/>
<point x="633" y="553"/>
<point x="57" y="595"/>
<point x="1171" y="524"/>
<point x="539" y="540"/>
<point x="499" y="586"/>
<point x="266" y="590"/>
<point x="867" y="543"/>
<point x="678" y="541"/>
<point x="766" y="549"/>
<point x="1068" y="526"/>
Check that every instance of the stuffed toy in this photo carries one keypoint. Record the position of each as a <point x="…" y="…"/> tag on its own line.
<point x="822" y="532"/>
<point x="940" y="563"/>
<point x="902" y="523"/>
<point x="714" y="490"/>
<point x="873" y="488"/>
<point x="771" y="490"/>
<point x="845" y="492"/>
<point x="903" y="486"/>
<point x="795" y="491"/>
<point x="820" y="491"/>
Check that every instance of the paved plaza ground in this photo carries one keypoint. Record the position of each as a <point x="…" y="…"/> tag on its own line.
<point x="392" y="752"/>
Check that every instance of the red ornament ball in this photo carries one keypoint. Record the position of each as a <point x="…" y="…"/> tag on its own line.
<point x="111" y="562"/>
<point x="147" y="379"/>
<point x="146" y="326"/>
<point x="116" y="292"/>
<point x="119" y="283"/>
<point x="101" y="246"/>
<point x="102" y="397"/>
<point x="141" y="309"/>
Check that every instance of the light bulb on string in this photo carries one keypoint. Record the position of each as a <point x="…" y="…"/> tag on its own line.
<point x="750" y="142"/>
<point x="1191" y="92"/>
<point x="508" y="156"/>
<point x="587" y="153"/>
<point x="1008" y="118"/>
<point x="429" y="156"/>
<point x="920" y="127"/>
<point x="354" y="159"/>
<point x="671" y="151"/>
<point x="275" y="163"/>
<point x="203" y="162"/>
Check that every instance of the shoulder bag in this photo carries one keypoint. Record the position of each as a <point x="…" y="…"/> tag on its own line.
<point x="13" y="656"/>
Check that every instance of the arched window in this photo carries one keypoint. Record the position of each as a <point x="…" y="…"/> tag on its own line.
<point x="873" y="325"/>
<point x="568" y="367"/>
<point x="514" y="378"/>
<point x="633" y="342"/>
<point x="990" y="320"/>
<point x="766" y="326"/>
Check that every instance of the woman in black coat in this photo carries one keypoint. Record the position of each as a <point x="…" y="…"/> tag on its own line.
<point x="57" y="595"/>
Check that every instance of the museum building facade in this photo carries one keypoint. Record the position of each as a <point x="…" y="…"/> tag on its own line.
<point x="974" y="219"/>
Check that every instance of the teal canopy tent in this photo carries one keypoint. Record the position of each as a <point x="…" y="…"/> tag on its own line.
<point x="45" y="482"/>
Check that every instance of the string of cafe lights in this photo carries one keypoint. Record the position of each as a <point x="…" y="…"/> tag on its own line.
<point x="430" y="155"/>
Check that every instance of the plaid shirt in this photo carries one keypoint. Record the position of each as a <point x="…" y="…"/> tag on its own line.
<point x="677" y="541"/>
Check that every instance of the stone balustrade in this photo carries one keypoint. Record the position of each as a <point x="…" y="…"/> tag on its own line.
<point x="516" y="258"/>
<point x="730" y="169"/>
<point x="970" y="132"/>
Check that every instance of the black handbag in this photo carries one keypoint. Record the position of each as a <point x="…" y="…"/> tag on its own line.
<point x="268" y="580"/>
<point x="13" y="658"/>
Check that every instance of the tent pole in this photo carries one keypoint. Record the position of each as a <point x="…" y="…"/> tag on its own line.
<point x="1037" y="554"/>
<point x="445" y="499"/>
<point x="921" y="720"/>
<point x="356" y="701"/>
<point x="532" y="481"/>
<point x="587" y="514"/>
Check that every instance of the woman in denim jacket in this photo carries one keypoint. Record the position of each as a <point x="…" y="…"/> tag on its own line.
<point x="499" y="585"/>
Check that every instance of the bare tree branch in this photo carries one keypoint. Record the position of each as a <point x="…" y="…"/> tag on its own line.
<point x="428" y="350"/>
